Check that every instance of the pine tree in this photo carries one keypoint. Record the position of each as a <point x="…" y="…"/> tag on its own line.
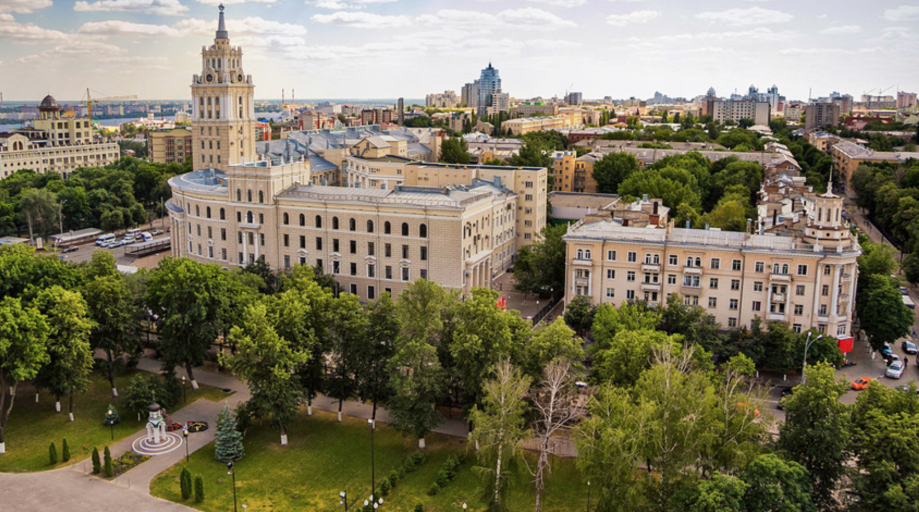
<point x="97" y="464"/>
<point x="65" y="452"/>
<point x="185" y="483"/>
<point x="111" y="416"/>
<point x="109" y="468"/>
<point x="52" y="454"/>
<point x="199" y="489"/>
<point x="229" y="446"/>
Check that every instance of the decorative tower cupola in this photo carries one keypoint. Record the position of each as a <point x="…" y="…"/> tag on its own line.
<point x="826" y="225"/>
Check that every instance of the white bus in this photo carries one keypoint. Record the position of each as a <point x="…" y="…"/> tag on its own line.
<point x="104" y="239"/>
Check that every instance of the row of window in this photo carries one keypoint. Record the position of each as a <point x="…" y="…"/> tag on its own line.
<point x="352" y="225"/>
<point x="696" y="262"/>
<point x="352" y="247"/>
<point x="694" y="281"/>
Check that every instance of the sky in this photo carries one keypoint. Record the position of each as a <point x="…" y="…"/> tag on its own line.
<point x="408" y="48"/>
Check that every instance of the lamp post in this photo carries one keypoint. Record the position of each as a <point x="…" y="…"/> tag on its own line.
<point x="185" y="435"/>
<point x="588" y="496"/>
<point x="111" y="424"/>
<point x="464" y="506"/>
<point x="232" y="472"/>
<point x="807" y="346"/>
<point x="376" y="504"/>
<point x="372" y="468"/>
<point x="184" y="393"/>
<point x="344" y="499"/>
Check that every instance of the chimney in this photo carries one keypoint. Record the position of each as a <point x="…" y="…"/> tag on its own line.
<point x="644" y="198"/>
<point x="687" y="224"/>
<point x="749" y="223"/>
<point x="625" y="223"/>
<point x="655" y="207"/>
<point x="775" y="217"/>
<point x="706" y="227"/>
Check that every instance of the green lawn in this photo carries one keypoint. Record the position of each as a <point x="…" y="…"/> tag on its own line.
<point x="325" y="457"/>
<point x="33" y="426"/>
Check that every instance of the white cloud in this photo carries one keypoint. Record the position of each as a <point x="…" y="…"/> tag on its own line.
<point x="156" y="7"/>
<point x="251" y="26"/>
<point x="337" y="5"/>
<point x="843" y="29"/>
<point x="27" y="33"/>
<point x="23" y="6"/>
<point x="757" y="34"/>
<point x="562" y="3"/>
<point x="535" y="17"/>
<point x="117" y="28"/>
<point x="744" y="17"/>
<point x="902" y="13"/>
<point x="621" y="20"/>
<point x="97" y="51"/>
<point x="454" y="18"/>
<point x="234" y="2"/>
<point x="362" y="20"/>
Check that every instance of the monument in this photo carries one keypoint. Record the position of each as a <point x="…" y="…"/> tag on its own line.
<point x="156" y="425"/>
<point x="157" y="441"/>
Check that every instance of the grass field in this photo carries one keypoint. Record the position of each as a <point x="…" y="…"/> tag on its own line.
<point x="325" y="457"/>
<point x="33" y="426"/>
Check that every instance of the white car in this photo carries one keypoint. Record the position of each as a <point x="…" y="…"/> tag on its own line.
<point x="895" y="370"/>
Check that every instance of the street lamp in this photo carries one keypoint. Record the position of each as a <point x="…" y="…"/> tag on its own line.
<point x="232" y="472"/>
<point x="111" y="424"/>
<point x="807" y="346"/>
<point x="344" y="499"/>
<point x="588" y="496"/>
<point x="464" y="506"/>
<point x="185" y="434"/>
<point x="373" y="482"/>
<point x="376" y="504"/>
<point x="184" y="393"/>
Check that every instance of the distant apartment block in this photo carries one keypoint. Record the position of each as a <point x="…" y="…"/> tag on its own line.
<point x="170" y="146"/>
<point x="906" y="99"/>
<point x="821" y="115"/>
<point x="737" y="110"/>
<point x="376" y="116"/>
<point x="446" y="99"/>
<point x="527" y="109"/>
<point x="535" y="124"/>
<point x="847" y="156"/>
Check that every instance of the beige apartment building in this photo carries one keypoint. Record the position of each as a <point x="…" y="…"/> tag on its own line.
<point x="807" y="280"/>
<point x="54" y="144"/>
<point x="847" y="156"/>
<point x="526" y="125"/>
<point x="170" y="146"/>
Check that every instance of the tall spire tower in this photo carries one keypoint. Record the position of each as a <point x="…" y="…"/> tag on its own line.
<point x="223" y="99"/>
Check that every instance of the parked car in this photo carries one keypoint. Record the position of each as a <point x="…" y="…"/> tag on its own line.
<point x="895" y="370"/>
<point x="156" y="232"/>
<point x="101" y="241"/>
<point x="861" y="383"/>
<point x="904" y="290"/>
<point x="886" y="350"/>
<point x="909" y="347"/>
<point x="786" y="391"/>
<point x="906" y="388"/>
<point x="69" y="249"/>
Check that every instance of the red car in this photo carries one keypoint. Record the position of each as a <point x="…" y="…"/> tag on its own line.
<point x="861" y="383"/>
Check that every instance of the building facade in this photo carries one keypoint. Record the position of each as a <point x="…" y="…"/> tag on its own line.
<point x="821" y="115"/>
<point x="807" y="280"/>
<point x="847" y="156"/>
<point x="737" y="110"/>
<point x="170" y="146"/>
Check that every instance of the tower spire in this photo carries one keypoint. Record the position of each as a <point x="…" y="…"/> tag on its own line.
<point x="221" y="26"/>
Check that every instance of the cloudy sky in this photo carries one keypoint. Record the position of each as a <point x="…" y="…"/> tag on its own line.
<point x="390" y="48"/>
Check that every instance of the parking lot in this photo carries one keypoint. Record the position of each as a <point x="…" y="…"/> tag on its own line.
<point x="84" y="252"/>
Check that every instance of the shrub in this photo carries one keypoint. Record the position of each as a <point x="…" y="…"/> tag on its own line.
<point x="419" y="507"/>
<point x="401" y="472"/>
<point x="393" y="478"/>
<point x="97" y="465"/>
<point x="52" y="454"/>
<point x="443" y="478"/>
<point x="418" y="458"/>
<point x="65" y="452"/>
<point x="385" y="487"/>
<point x="434" y="489"/>
<point x="185" y="483"/>
<point x="199" y="489"/>
<point x="109" y="468"/>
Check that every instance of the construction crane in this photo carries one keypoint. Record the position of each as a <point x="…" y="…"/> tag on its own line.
<point x="90" y="101"/>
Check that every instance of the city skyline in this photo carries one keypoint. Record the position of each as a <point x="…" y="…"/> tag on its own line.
<point x="342" y="49"/>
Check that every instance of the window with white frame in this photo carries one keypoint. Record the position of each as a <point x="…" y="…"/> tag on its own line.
<point x="733" y="304"/>
<point x="610" y="255"/>
<point x="611" y="274"/>
<point x="633" y="257"/>
<point x="630" y="294"/>
<point x="716" y="263"/>
<point x="610" y="293"/>
<point x="630" y="276"/>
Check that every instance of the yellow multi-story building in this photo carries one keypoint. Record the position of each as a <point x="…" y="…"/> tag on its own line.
<point x="807" y="280"/>
<point x="847" y="156"/>
<point x="54" y="144"/>
<point x="564" y="164"/>
<point x="526" y="125"/>
<point x="170" y="146"/>
<point x="223" y="116"/>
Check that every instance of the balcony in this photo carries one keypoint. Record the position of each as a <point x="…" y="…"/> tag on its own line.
<point x="776" y="317"/>
<point x="780" y="277"/>
<point x="581" y="262"/>
<point x="692" y="270"/>
<point x="652" y="287"/>
<point x="249" y="225"/>
<point x="650" y="267"/>
<point x="582" y="281"/>
<point x="778" y="297"/>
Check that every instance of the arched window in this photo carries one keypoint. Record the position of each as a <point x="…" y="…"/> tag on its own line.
<point x="387" y="228"/>
<point x="249" y="195"/>
<point x="775" y="268"/>
<point x="207" y="212"/>
<point x="580" y="254"/>
<point x="586" y="252"/>
<point x="239" y="194"/>
<point x="699" y="262"/>
<point x="250" y="218"/>
<point x="223" y="214"/>
<point x="197" y="211"/>
<point x="423" y="231"/>
<point x="302" y="220"/>
<point x="689" y="261"/>
<point x="370" y="226"/>
<point x="334" y="222"/>
<point x="318" y="221"/>
<point x="405" y="229"/>
<point x="286" y="219"/>
<point x="352" y="225"/>
<point x="261" y="196"/>
<point x="785" y="268"/>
